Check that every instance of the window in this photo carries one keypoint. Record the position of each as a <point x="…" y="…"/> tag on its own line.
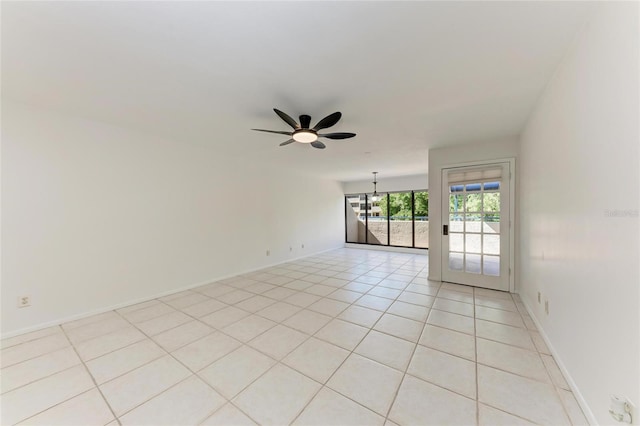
<point x="399" y="219"/>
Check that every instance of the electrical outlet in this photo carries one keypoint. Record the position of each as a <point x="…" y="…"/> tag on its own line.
<point x="24" y="301"/>
<point x="539" y="297"/>
<point x="268" y="252"/>
<point x="546" y="307"/>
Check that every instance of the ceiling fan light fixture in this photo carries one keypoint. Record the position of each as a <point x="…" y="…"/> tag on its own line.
<point x="305" y="136"/>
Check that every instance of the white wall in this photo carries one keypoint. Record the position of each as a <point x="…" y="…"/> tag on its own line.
<point x="578" y="163"/>
<point x="440" y="158"/>
<point x="387" y="184"/>
<point x="95" y="216"/>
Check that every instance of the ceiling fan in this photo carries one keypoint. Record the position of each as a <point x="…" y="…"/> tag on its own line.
<point x="303" y="134"/>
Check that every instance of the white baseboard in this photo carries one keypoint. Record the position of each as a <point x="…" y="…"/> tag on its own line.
<point x="572" y="384"/>
<point x="147" y="298"/>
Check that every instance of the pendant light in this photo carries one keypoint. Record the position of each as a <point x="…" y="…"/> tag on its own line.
<point x="374" y="198"/>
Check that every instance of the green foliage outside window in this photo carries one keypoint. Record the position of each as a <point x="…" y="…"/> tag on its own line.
<point x="400" y="205"/>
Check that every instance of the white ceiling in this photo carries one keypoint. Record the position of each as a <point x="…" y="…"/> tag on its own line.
<point x="407" y="76"/>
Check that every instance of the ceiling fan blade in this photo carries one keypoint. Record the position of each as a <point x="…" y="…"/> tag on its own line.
<point x="290" y="121"/>
<point x="328" y="121"/>
<point x="337" y="135"/>
<point x="318" y="144"/>
<point x="305" y="120"/>
<point x="287" y="142"/>
<point x="273" y="131"/>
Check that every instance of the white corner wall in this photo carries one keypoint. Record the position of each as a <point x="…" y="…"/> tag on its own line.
<point x="440" y="158"/>
<point x="95" y="216"/>
<point x="579" y="186"/>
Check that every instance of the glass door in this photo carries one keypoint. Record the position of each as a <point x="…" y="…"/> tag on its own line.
<point x="476" y="226"/>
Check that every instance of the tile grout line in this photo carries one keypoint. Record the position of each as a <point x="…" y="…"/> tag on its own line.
<point x="92" y="379"/>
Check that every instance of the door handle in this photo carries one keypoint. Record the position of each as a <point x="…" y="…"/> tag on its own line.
<point x="445" y="229"/>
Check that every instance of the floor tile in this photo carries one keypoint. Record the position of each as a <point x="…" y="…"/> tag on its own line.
<point x="182" y="335"/>
<point x="311" y="277"/>
<point x="38" y="396"/>
<point x="387" y="293"/>
<point x="146" y="313"/>
<point x="298" y="285"/>
<point x="320" y="290"/>
<point x="204" y="308"/>
<point x="248" y="328"/>
<point x="206" y="350"/>
<point x="457" y="287"/>
<point x="428" y="290"/>
<point x="374" y="302"/>
<point x="512" y="359"/>
<point x="302" y="299"/>
<point x="455" y="295"/>
<point x="554" y="372"/>
<point x="88" y="408"/>
<point x="367" y="382"/>
<point x="394" y="283"/>
<point x="329" y="408"/>
<point x="492" y="293"/>
<point x="316" y="359"/>
<point x="539" y="342"/>
<point x="187" y="403"/>
<point x="573" y="408"/>
<point x="416" y="298"/>
<point x="453" y="306"/>
<point x="163" y="323"/>
<point x="421" y="403"/>
<point x="335" y="282"/>
<point x="387" y="350"/>
<point x="307" y="321"/>
<point x="360" y="315"/>
<point x="408" y="310"/>
<point x="38" y="368"/>
<point x="357" y="287"/>
<point x="489" y="416"/>
<point x="451" y="321"/>
<point x="234" y="372"/>
<point x="224" y="317"/>
<point x="449" y="341"/>
<point x="96" y="329"/>
<point x="346" y="296"/>
<point x="447" y="371"/>
<point x="33" y="349"/>
<point x="260" y="288"/>
<point x="490" y="302"/>
<point x="99" y="346"/>
<point x="214" y="289"/>
<point x="255" y="303"/>
<point x="228" y="415"/>
<point x="279" y="311"/>
<point x="342" y="333"/>
<point x="279" y="293"/>
<point x="501" y="316"/>
<point x="28" y="337"/>
<point x="123" y="360"/>
<point x="136" y="387"/>
<point x="526" y="398"/>
<point x="504" y="334"/>
<point x="278" y="341"/>
<point x="187" y="300"/>
<point x="92" y="319"/>
<point x="234" y="297"/>
<point x="277" y="397"/>
<point x="403" y="328"/>
<point x="328" y="307"/>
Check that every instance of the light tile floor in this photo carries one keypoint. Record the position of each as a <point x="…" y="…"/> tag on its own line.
<point x="347" y="337"/>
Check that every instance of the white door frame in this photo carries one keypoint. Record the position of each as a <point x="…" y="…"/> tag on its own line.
<point x="512" y="210"/>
